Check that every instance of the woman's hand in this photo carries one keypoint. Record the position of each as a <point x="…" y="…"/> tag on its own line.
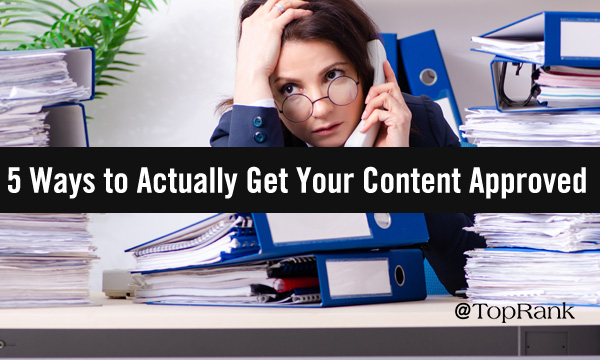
<point x="386" y="105"/>
<point x="259" y="48"/>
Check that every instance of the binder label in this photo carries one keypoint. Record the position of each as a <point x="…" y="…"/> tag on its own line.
<point x="576" y="39"/>
<point x="351" y="278"/>
<point x="292" y="227"/>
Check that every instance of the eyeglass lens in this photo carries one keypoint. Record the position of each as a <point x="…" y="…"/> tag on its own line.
<point x="341" y="91"/>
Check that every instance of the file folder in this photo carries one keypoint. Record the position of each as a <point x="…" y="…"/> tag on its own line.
<point x="569" y="38"/>
<point x="426" y="74"/>
<point x="275" y="235"/>
<point x="68" y="126"/>
<point x="514" y="103"/>
<point x="346" y="278"/>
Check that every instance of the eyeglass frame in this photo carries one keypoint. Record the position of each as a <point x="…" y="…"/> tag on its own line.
<point x="312" y="103"/>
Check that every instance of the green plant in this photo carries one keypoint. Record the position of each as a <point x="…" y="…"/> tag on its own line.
<point x="104" y="25"/>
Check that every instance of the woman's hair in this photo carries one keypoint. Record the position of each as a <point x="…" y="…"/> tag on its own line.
<point x="342" y="23"/>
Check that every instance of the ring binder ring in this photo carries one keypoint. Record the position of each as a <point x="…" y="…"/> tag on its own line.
<point x="383" y="220"/>
<point x="428" y="77"/>
<point x="533" y="92"/>
<point x="399" y="275"/>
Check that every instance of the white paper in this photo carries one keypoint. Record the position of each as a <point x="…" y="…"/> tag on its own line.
<point x="349" y="278"/>
<point x="579" y="39"/>
<point x="444" y="103"/>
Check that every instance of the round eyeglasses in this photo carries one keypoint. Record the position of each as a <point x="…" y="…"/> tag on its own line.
<point x="299" y="107"/>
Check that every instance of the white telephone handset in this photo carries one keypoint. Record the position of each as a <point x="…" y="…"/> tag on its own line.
<point x="377" y="57"/>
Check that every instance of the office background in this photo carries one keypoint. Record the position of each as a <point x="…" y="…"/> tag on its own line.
<point x="189" y="62"/>
<point x="188" y="68"/>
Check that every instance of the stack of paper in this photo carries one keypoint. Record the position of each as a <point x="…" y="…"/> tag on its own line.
<point x="29" y="81"/>
<point x="45" y="260"/>
<point x="522" y="49"/>
<point x="536" y="258"/>
<point x="281" y="259"/>
<point x="533" y="276"/>
<point x="560" y="232"/>
<point x="252" y="283"/>
<point x="566" y="87"/>
<point x="226" y="235"/>
<point x="487" y="127"/>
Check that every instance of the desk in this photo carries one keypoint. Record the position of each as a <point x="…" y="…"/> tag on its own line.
<point x="119" y="328"/>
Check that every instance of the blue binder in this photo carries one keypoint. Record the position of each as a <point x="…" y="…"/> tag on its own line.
<point x="503" y="103"/>
<point x="385" y="230"/>
<point x="390" y="43"/>
<point x="570" y="38"/>
<point x="353" y="278"/>
<point x="279" y="234"/>
<point x="371" y="277"/>
<point x="426" y="74"/>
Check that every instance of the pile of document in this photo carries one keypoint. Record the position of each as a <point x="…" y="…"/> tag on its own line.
<point x="569" y="87"/>
<point x="536" y="258"/>
<point x="488" y="127"/>
<point x="520" y="49"/>
<point x="30" y="80"/>
<point x="291" y="280"/>
<point x="45" y="260"/>
<point x="558" y="103"/>
<point x="284" y="260"/>
<point x="170" y="269"/>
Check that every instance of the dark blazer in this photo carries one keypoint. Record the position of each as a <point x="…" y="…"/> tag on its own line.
<point x="247" y="126"/>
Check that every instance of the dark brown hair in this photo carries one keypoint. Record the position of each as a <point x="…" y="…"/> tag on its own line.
<point x="343" y="23"/>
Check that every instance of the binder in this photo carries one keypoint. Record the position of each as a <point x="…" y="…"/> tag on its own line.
<point x="44" y="110"/>
<point x="390" y="43"/>
<point x="81" y="65"/>
<point x="566" y="38"/>
<point x="68" y="126"/>
<point x="346" y="278"/>
<point x="426" y="74"/>
<point x="271" y="235"/>
<point x="510" y="103"/>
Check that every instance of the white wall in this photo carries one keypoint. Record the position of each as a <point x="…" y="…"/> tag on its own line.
<point x="116" y="232"/>
<point x="188" y="68"/>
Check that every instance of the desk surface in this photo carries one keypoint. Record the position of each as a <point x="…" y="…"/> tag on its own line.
<point x="435" y="311"/>
<point x="119" y="328"/>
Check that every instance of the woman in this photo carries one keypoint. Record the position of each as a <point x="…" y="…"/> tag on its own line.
<point x="303" y="78"/>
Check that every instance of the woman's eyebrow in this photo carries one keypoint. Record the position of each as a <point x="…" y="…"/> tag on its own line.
<point x="335" y="64"/>
<point x="285" y="79"/>
<point x="325" y="69"/>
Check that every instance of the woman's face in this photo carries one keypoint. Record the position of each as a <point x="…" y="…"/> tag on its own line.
<point x="308" y="67"/>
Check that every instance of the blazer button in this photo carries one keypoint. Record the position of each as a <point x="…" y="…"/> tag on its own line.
<point x="258" y="121"/>
<point x="260" y="137"/>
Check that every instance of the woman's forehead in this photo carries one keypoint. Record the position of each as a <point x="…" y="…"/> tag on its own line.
<point x="308" y="56"/>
